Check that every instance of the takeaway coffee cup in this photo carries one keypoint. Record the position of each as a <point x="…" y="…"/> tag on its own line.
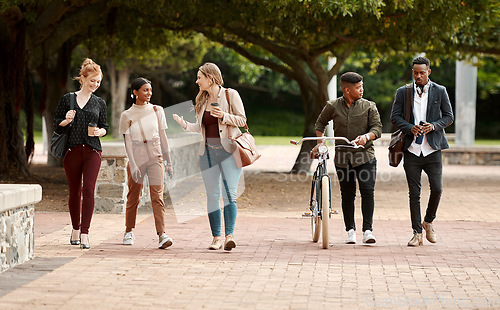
<point x="92" y="127"/>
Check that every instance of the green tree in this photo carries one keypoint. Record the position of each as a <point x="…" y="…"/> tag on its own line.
<point x="130" y="48"/>
<point x="30" y="32"/>
<point x="290" y="37"/>
<point x="294" y="38"/>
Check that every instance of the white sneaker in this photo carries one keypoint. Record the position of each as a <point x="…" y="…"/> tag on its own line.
<point x="128" y="238"/>
<point x="351" y="237"/>
<point x="368" y="237"/>
<point x="164" y="241"/>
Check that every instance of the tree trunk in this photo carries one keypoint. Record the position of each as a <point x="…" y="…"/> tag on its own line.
<point x="118" y="84"/>
<point x="313" y="105"/>
<point x="13" y="163"/>
<point x="54" y="74"/>
<point x="314" y="100"/>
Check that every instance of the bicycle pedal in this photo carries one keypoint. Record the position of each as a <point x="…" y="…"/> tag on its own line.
<point x="306" y="214"/>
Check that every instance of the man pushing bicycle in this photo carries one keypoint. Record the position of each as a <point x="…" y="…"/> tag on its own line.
<point x="358" y="120"/>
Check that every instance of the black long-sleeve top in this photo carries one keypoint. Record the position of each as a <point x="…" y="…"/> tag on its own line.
<point x="93" y="112"/>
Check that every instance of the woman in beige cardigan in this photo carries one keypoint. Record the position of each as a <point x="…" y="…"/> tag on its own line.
<point x="218" y="121"/>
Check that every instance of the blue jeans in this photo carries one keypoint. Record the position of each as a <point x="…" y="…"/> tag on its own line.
<point x="217" y="164"/>
<point x="432" y="165"/>
<point x="365" y="174"/>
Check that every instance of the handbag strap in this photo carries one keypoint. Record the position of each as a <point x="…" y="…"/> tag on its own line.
<point x="72" y="101"/>
<point x="157" y="117"/>
<point x="140" y="124"/>
<point x="408" y="102"/>
<point x="230" y="108"/>
<point x="72" y="97"/>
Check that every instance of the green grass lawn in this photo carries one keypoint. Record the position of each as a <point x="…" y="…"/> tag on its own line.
<point x="270" y="140"/>
<point x="487" y="142"/>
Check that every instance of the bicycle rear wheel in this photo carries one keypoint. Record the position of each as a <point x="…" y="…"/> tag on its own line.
<point x="315" y="218"/>
<point x="325" y="210"/>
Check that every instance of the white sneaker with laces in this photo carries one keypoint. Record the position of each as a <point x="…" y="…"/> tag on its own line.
<point x="369" y="237"/>
<point x="164" y="241"/>
<point x="128" y="238"/>
<point x="351" y="237"/>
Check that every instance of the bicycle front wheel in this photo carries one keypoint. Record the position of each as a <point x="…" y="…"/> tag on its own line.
<point x="325" y="210"/>
<point x="315" y="218"/>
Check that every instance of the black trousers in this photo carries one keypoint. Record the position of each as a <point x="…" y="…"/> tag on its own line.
<point x="432" y="165"/>
<point x="365" y="174"/>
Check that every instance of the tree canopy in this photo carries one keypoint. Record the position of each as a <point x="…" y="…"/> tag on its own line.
<point x="291" y="37"/>
<point x="294" y="37"/>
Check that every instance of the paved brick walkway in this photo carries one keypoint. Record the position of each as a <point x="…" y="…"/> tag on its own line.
<point x="275" y="265"/>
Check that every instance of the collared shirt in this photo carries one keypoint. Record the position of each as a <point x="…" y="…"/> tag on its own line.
<point x="419" y="114"/>
<point x="360" y="118"/>
<point x="94" y="111"/>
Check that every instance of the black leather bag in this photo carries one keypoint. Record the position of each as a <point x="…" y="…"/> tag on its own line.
<point x="398" y="137"/>
<point x="58" y="142"/>
<point x="396" y="148"/>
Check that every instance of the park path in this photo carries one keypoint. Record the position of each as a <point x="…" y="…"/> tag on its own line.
<point x="275" y="265"/>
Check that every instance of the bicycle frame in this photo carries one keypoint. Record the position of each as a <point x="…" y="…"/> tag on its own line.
<point x="319" y="204"/>
<point x="320" y="172"/>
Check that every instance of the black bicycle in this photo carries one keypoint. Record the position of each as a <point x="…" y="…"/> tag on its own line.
<point x="321" y="184"/>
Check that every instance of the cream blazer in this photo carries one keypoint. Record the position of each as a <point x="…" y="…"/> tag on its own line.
<point x="228" y="124"/>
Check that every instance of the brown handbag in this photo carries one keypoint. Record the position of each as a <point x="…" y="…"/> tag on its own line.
<point x="245" y="144"/>
<point x="398" y="137"/>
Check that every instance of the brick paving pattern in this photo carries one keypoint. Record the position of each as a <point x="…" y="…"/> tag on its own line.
<point x="275" y="264"/>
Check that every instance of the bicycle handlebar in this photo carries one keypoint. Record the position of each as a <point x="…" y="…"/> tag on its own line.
<point x="350" y="143"/>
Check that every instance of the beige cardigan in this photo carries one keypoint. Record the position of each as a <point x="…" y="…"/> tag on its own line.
<point x="228" y="124"/>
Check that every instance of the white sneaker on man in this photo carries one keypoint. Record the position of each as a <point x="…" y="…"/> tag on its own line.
<point x="164" y="241"/>
<point x="351" y="237"/>
<point x="128" y="238"/>
<point x="369" y="237"/>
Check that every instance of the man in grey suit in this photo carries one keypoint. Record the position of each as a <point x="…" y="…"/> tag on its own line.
<point x="424" y="140"/>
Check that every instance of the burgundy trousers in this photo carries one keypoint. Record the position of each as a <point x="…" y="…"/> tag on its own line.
<point x="81" y="164"/>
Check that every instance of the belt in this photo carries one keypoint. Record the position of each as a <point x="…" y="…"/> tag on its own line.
<point x="141" y="142"/>
<point x="214" y="147"/>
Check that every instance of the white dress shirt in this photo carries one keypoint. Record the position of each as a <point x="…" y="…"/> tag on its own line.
<point x="419" y="114"/>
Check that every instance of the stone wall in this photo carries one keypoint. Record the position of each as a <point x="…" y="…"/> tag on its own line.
<point x="460" y="155"/>
<point x="17" y="227"/>
<point x="472" y="155"/>
<point x="111" y="186"/>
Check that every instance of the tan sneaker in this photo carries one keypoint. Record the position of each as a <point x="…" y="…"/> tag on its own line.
<point x="429" y="232"/>
<point x="416" y="240"/>
<point x="216" y="243"/>
<point x="229" y="244"/>
<point x="164" y="241"/>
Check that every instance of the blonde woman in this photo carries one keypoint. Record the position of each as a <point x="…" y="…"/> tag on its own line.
<point x="143" y="127"/>
<point x="82" y="160"/>
<point x="218" y="121"/>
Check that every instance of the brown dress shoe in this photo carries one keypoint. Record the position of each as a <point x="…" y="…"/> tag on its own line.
<point x="229" y="244"/>
<point x="416" y="240"/>
<point x="429" y="232"/>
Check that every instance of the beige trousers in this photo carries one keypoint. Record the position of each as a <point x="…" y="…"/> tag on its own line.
<point x="155" y="171"/>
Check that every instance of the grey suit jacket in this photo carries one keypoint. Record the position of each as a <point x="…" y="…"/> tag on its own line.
<point x="439" y="113"/>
